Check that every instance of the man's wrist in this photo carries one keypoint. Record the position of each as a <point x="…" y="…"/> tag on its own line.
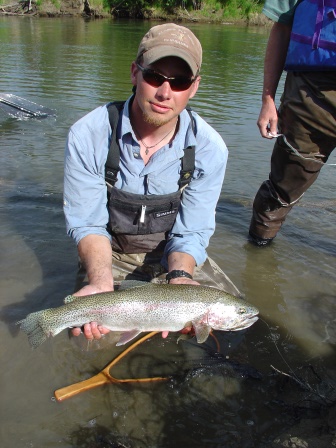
<point x="177" y="273"/>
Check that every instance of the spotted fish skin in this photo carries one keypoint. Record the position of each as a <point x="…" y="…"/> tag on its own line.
<point x="153" y="307"/>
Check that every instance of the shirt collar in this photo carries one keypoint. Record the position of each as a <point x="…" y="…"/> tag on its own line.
<point x="184" y="137"/>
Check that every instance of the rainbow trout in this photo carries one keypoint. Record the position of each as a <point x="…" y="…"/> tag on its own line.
<point x="153" y="307"/>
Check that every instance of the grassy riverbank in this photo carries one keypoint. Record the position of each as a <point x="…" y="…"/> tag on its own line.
<point x="224" y="11"/>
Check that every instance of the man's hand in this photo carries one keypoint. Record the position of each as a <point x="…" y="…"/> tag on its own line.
<point x="185" y="262"/>
<point x="181" y="281"/>
<point x="268" y="119"/>
<point x="185" y="330"/>
<point x="91" y="330"/>
<point x="95" y="253"/>
<point x="275" y="57"/>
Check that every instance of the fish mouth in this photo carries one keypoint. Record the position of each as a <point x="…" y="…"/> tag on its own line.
<point x="246" y="323"/>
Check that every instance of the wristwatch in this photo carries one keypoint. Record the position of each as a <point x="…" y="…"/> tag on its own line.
<point x="176" y="274"/>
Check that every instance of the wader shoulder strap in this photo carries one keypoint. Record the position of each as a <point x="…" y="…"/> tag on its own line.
<point x="188" y="160"/>
<point x="113" y="157"/>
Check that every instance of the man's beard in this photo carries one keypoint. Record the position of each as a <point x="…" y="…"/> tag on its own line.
<point x="156" y="121"/>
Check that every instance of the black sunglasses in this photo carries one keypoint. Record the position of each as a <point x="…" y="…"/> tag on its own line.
<point x="155" y="79"/>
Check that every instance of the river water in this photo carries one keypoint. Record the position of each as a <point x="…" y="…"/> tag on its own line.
<point x="273" y="380"/>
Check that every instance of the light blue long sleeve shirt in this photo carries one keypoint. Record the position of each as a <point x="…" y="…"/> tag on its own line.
<point x="85" y="191"/>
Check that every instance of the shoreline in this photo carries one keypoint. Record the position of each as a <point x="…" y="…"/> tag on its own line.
<point x="83" y="9"/>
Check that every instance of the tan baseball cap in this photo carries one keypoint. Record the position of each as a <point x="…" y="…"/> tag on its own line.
<point x="170" y="39"/>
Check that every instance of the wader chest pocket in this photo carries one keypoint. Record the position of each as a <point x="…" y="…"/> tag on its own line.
<point x="135" y="214"/>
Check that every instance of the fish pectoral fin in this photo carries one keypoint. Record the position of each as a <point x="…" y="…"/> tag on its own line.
<point x="128" y="336"/>
<point x="202" y="331"/>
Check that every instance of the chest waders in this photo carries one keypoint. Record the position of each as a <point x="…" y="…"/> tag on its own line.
<point x="140" y="223"/>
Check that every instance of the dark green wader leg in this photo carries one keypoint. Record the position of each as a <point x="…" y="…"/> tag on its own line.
<point x="307" y="120"/>
<point x="291" y="175"/>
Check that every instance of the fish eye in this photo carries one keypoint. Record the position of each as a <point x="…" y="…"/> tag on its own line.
<point x="241" y="310"/>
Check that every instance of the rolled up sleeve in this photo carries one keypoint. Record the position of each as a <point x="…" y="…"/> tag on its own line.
<point x="195" y="222"/>
<point x="85" y="195"/>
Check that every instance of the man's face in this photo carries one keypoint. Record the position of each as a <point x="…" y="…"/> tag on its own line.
<point x="162" y="104"/>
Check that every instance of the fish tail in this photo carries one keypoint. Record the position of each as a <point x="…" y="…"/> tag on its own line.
<point x="31" y="325"/>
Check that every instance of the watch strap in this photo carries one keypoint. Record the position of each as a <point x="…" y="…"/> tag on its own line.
<point x="176" y="273"/>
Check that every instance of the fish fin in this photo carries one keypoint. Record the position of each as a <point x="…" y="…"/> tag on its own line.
<point x="31" y="326"/>
<point x="70" y="298"/>
<point x="125" y="284"/>
<point x="128" y="284"/>
<point x="127" y="336"/>
<point x="184" y="337"/>
<point x="202" y="331"/>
